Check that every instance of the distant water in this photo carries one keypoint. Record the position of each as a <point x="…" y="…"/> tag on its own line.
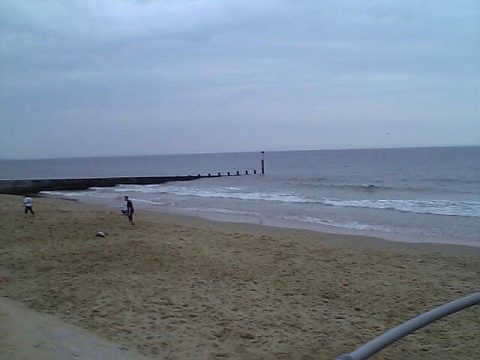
<point x="416" y="194"/>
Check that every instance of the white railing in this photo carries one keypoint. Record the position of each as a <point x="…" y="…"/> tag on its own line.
<point x="384" y="340"/>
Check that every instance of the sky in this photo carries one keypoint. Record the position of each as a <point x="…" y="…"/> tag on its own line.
<point x="124" y="77"/>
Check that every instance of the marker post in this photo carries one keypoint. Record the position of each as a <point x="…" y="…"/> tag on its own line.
<point x="263" y="162"/>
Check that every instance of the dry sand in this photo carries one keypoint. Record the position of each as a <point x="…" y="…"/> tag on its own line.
<point x="176" y="287"/>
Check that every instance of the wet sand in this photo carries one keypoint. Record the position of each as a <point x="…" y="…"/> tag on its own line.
<point x="176" y="287"/>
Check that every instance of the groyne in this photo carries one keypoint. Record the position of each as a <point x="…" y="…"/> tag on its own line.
<point x="19" y="187"/>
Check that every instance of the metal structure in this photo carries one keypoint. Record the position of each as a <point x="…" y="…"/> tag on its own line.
<point x="384" y="340"/>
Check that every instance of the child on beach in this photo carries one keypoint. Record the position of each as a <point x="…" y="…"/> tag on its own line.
<point x="28" y="205"/>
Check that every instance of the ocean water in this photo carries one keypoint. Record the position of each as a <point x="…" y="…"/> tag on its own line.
<point x="414" y="194"/>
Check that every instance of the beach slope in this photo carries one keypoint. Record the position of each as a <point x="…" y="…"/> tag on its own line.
<point x="176" y="287"/>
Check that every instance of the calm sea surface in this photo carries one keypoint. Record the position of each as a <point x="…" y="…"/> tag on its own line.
<point x="418" y="194"/>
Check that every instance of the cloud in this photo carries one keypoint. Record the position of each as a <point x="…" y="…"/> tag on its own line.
<point x="120" y="20"/>
<point x="235" y="66"/>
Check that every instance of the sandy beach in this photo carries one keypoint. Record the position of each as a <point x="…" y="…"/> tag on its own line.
<point x="175" y="287"/>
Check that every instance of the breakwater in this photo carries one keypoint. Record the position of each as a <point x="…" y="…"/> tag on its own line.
<point x="19" y="187"/>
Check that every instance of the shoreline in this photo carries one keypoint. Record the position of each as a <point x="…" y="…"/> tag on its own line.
<point x="354" y="241"/>
<point x="183" y="287"/>
<point x="325" y="230"/>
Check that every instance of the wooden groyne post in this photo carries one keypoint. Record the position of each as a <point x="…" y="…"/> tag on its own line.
<point x="263" y="162"/>
<point x="18" y="187"/>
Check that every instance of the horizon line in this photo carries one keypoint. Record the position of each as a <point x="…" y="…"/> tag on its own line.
<point x="244" y="152"/>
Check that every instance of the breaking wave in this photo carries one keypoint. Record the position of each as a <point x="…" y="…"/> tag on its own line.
<point x="221" y="192"/>
<point x="346" y="224"/>
<point x="435" y="207"/>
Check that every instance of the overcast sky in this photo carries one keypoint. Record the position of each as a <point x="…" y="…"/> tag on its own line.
<point x="119" y="77"/>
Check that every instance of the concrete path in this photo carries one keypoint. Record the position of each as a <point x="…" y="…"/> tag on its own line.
<point x="28" y="335"/>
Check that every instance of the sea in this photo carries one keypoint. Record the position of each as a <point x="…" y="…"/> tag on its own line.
<point x="421" y="195"/>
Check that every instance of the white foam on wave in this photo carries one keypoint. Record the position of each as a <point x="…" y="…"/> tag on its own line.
<point x="149" y="201"/>
<point x="221" y="211"/>
<point x="220" y="192"/>
<point x="76" y="194"/>
<point x="146" y="189"/>
<point x="346" y="225"/>
<point x="435" y="207"/>
<point x="63" y="193"/>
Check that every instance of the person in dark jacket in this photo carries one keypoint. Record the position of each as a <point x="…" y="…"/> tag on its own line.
<point x="130" y="210"/>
